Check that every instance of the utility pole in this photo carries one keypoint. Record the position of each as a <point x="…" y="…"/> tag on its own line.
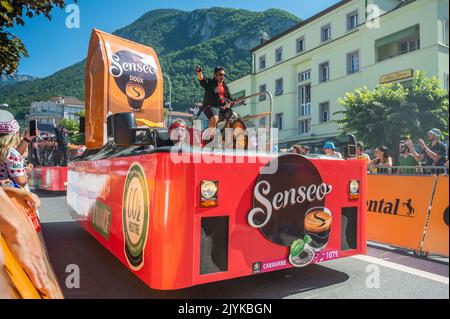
<point x="170" y="97"/>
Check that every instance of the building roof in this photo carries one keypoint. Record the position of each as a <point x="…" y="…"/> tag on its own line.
<point x="315" y="17"/>
<point x="301" y="24"/>
<point x="69" y="100"/>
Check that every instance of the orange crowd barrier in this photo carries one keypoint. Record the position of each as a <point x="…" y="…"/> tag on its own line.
<point x="397" y="209"/>
<point x="436" y="235"/>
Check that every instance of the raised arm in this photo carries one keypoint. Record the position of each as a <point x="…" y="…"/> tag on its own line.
<point x="417" y="157"/>
<point x="434" y="156"/>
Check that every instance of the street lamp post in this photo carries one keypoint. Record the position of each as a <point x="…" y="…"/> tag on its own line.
<point x="170" y="97"/>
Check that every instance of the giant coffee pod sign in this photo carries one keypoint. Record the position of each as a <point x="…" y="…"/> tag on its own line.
<point x="135" y="76"/>
<point x="289" y="208"/>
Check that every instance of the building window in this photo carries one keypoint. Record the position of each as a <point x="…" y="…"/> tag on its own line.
<point x="262" y="88"/>
<point x="445" y="32"/>
<point x="262" y="62"/>
<point x="352" y="20"/>
<point x="279" y="55"/>
<point x="324" y="112"/>
<point x="446" y="81"/>
<point x="408" y="46"/>
<point x="324" y="72"/>
<point x="279" y="120"/>
<point x="279" y="87"/>
<point x="304" y="76"/>
<point x="325" y="32"/>
<point x="304" y="127"/>
<point x="300" y="44"/>
<point x="353" y="62"/>
<point x="304" y="100"/>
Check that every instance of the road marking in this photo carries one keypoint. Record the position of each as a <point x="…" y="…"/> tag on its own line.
<point x="406" y="269"/>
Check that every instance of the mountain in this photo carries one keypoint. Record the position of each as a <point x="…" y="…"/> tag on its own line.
<point x="182" y="40"/>
<point x="8" y="80"/>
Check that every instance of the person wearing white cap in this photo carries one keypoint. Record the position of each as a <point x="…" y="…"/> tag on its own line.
<point x="433" y="154"/>
<point x="12" y="147"/>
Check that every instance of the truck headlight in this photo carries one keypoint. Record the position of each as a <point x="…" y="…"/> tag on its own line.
<point x="354" y="189"/>
<point x="208" y="193"/>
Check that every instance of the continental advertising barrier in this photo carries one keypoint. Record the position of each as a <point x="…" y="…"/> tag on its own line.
<point x="397" y="209"/>
<point x="121" y="76"/>
<point x="436" y="236"/>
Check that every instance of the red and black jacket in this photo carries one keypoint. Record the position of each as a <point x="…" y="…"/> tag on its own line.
<point x="212" y="97"/>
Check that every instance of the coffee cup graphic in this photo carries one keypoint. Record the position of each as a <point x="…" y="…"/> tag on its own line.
<point x="317" y="226"/>
<point x="136" y="95"/>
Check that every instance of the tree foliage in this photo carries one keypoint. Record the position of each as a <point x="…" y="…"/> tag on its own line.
<point x="71" y="125"/>
<point x="390" y="112"/>
<point x="12" y="13"/>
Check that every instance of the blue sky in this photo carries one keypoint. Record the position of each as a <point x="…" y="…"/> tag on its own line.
<point x="52" y="46"/>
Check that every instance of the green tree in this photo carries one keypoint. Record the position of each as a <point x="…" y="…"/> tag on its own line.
<point x="12" y="13"/>
<point x="388" y="113"/>
<point x="71" y="125"/>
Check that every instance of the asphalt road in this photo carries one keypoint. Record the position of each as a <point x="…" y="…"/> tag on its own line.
<point x="384" y="273"/>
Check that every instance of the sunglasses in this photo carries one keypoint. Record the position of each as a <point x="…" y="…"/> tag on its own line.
<point x="221" y="74"/>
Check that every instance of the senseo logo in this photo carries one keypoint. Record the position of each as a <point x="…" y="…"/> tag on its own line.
<point x="282" y="200"/>
<point x="118" y="67"/>
<point x="135" y="76"/>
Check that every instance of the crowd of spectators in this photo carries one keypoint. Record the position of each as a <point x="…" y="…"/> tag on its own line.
<point x="419" y="158"/>
<point x="19" y="230"/>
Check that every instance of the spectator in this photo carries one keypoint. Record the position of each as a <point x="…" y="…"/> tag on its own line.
<point x="359" y="152"/>
<point x="295" y="149"/>
<point x="433" y="154"/>
<point x="62" y="139"/>
<point x="406" y="158"/>
<point x="304" y="150"/>
<point x="33" y="156"/>
<point x="12" y="146"/>
<point x="330" y="150"/>
<point x="299" y="149"/>
<point x="382" y="161"/>
<point x="177" y="132"/>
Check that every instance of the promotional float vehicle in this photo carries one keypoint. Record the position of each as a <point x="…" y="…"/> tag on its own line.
<point x="53" y="178"/>
<point x="48" y="176"/>
<point x="184" y="216"/>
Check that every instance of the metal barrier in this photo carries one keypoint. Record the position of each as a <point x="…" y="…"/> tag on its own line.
<point x="409" y="170"/>
<point x="409" y="211"/>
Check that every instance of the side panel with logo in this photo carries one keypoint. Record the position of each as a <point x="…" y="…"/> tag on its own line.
<point x="162" y="244"/>
<point x="436" y="236"/>
<point x="397" y="208"/>
<point x="298" y="206"/>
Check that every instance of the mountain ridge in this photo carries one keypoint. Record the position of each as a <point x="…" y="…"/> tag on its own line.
<point x="182" y="39"/>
